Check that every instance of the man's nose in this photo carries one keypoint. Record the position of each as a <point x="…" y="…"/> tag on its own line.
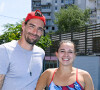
<point x="35" y="30"/>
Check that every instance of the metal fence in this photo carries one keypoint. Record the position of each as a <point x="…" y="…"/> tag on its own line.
<point x="87" y="40"/>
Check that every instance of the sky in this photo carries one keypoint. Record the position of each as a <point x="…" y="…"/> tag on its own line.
<point x="12" y="11"/>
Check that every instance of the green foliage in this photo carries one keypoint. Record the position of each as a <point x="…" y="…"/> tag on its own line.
<point x="44" y="42"/>
<point x="71" y="18"/>
<point x="13" y="31"/>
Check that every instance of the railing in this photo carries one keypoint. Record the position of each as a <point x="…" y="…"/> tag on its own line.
<point x="87" y="40"/>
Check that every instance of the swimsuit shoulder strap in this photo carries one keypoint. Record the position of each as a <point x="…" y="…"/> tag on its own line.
<point x="53" y="75"/>
<point x="77" y="74"/>
<point x="77" y="78"/>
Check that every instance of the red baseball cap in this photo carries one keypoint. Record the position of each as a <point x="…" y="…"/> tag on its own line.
<point x="37" y="14"/>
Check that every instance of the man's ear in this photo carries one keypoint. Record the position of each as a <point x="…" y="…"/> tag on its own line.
<point x="23" y="25"/>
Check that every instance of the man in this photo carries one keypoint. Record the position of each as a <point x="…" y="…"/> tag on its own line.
<point x="21" y="61"/>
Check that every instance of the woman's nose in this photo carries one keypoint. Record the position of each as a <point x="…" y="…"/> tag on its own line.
<point x="66" y="54"/>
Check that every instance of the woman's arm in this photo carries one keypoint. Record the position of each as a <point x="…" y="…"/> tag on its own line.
<point x="1" y="80"/>
<point x="88" y="82"/>
<point x="43" y="80"/>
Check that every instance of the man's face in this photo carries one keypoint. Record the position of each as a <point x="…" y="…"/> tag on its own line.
<point x="33" y="30"/>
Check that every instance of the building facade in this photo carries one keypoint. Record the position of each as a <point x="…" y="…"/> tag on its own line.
<point x="94" y="5"/>
<point x="49" y="7"/>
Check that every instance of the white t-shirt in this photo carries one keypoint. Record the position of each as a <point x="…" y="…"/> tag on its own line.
<point x="21" y="67"/>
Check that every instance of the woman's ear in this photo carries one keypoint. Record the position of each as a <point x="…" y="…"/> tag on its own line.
<point x="56" y="53"/>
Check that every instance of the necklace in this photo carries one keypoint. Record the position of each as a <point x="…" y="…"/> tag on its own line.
<point x="30" y="53"/>
<point x="30" y="66"/>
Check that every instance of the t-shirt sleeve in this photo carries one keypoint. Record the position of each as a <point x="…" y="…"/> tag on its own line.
<point x="4" y="60"/>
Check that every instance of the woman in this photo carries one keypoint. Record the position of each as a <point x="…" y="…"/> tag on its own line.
<point x="65" y="77"/>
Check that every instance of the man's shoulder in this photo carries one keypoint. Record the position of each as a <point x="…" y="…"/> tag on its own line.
<point x="9" y="45"/>
<point x="12" y="43"/>
<point x="37" y="48"/>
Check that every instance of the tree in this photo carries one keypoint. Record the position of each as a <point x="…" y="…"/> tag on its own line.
<point x="13" y="32"/>
<point x="71" y="18"/>
<point x="44" y="42"/>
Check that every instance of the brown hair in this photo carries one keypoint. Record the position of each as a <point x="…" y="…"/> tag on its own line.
<point x="65" y="41"/>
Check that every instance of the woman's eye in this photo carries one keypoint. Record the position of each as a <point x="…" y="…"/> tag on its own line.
<point x="61" y="51"/>
<point x="70" y="52"/>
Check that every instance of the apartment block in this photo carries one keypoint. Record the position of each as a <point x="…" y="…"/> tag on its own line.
<point x="94" y="5"/>
<point x="49" y="7"/>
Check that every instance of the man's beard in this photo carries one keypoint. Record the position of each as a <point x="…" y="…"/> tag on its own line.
<point x="32" y="41"/>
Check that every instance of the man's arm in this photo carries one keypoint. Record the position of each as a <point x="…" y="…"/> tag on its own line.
<point x="1" y="80"/>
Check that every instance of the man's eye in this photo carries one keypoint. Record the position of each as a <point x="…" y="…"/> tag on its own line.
<point x="40" y="29"/>
<point x="31" y="26"/>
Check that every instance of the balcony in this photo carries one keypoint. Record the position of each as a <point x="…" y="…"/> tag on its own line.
<point x="36" y="0"/>
<point x="46" y="4"/>
<point x="37" y="5"/>
<point x="46" y="10"/>
<point x="48" y="17"/>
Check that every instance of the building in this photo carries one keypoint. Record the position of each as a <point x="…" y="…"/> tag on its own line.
<point x="94" y="5"/>
<point x="49" y="7"/>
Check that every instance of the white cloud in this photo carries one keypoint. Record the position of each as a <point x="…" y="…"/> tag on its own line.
<point x="2" y="5"/>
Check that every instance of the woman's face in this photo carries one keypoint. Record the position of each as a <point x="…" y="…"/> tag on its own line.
<point x="66" y="53"/>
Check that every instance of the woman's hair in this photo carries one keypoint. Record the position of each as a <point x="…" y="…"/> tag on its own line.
<point x="64" y="41"/>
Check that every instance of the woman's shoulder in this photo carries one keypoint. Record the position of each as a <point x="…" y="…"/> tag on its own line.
<point x="87" y="79"/>
<point x="83" y="72"/>
<point x="50" y="70"/>
<point x="48" y="73"/>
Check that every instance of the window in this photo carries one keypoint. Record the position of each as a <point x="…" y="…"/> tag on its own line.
<point x="62" y="1"/>
<point x="46" y="28"/>
<point x="48" y="22"/>
<point x="55" y="8"/>
<point x="69" y="1"/>
<point x="46" y="14"/>
<point x="55" y="1"/>
<point x="45" y="7"/>
<point x="53" y="28"/>
<point x="37" y="4"/>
